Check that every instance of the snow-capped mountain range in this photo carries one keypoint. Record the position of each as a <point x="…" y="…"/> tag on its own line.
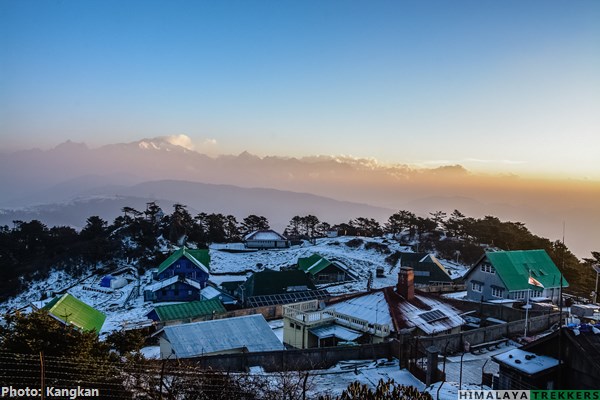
<point x="72" y="181"/>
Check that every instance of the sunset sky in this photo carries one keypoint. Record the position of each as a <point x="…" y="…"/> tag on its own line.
<point x="509" y="87"/>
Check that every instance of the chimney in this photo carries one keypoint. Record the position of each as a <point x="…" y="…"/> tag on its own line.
<point x="406" y="283"/>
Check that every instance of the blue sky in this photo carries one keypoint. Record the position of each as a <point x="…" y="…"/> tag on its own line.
<point x="508" y="87"/>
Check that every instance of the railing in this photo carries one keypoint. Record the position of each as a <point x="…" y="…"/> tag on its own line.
<point x="308" y="313"/>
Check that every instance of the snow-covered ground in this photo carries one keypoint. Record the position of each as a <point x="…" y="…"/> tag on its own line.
<point x="360" y="260"/>
<point x="334" y="380"/>
<point x="125" y="307"/>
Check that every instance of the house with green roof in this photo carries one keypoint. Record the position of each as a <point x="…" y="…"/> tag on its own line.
<point x="186" y="312"/>
<point x="192" y="264"/>
<point x="323" y="270"/>
<point x="70" y="310"/>
<point x="501" y="276"/>
<point x="426" y="268"/>
<point x="269" y="287"/>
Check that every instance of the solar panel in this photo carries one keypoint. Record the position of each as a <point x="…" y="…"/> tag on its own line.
<point x="433" y="316"/>
<point x="287" y="298"/>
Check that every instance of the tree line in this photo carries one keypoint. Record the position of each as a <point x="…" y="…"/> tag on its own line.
<point x="29" y="250"/>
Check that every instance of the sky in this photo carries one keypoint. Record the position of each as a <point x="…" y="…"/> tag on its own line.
<point x="510" y="87"/>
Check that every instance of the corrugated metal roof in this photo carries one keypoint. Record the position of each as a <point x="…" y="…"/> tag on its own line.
<point x="191" y="309"/>
<point x="199" y="257"/>
<point x="251" y="332"/>
<point x="71" y="310"/>
<point x="337" y="331"/>
<point x="514" y="267"/>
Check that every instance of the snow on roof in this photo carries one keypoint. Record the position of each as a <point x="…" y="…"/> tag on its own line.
<point x="250" y="332"/>
<point x="337" y="331"/>
<point x="371" y="307"/>
<point x="264" y="235"/>
<point x="539" y="299"/>
<point x="503" y="301"/>
<point x="455" y="295"/>
<point x="424" y="312"/>
<point x="210" y="292"/>
<point x="170" y="281"/>
<point x="525" y="361"/>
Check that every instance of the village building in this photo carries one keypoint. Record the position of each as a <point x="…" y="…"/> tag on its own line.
<point x="193" y="264"/>
<point x="576" y="349"/>
<point x="270" y="287"/>
<point x="323" y="270"/>
<point x="71" y="311"/>
<point x="525" y="370"/>
<point x="520" y="275"/>
<point x="370" y="318"/>
<point x="244" y="334"/>
<point x="420" y="313"/>
<point x="308" y="325"/>
<point x="427" y="269"/>
<point x="175" y="288"/>
<point x="266" y="239"/>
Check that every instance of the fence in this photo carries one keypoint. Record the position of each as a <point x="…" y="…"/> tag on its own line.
<point x="39" y="376"/>
<point x="455" y="342"/>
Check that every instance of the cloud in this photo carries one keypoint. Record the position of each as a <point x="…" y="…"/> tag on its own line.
<point x="207" y="145"/>
<point x="180" y="140"/>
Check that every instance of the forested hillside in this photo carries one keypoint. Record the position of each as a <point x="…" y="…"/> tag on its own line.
<point x="30" y="250"/>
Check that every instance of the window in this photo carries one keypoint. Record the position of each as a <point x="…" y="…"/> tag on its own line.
<point x="177" y="266"/>
<point x="189" y="292"/>
<point x="488" y="268"/>
<point x="497" y="292"/>
<point x="476" y="286"/>
<point x="519" y="295"/>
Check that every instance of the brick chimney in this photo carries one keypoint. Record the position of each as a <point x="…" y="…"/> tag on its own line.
<point x="406" y="283"/>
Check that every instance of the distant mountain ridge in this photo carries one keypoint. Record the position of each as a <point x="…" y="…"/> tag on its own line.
<point x="71" y="170"/>
<point x="277" y="205"/>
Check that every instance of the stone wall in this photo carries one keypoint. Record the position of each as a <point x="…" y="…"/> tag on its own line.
<point x="294" y="360"/>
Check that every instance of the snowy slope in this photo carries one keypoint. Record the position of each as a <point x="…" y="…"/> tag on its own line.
<point x="125" y="307"/>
